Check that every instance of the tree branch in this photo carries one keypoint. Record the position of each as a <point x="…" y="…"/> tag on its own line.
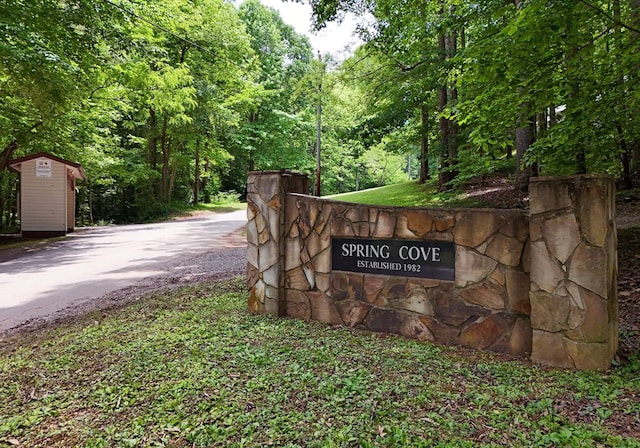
<point x="610" y="17"/>
<point x="10" y="149"/>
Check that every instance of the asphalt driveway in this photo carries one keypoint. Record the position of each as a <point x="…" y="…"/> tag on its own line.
<point x="90" y="263"/>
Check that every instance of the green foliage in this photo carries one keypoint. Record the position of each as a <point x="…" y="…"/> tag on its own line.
<point x="569" y="57"/>
<point x="275" y="127"/>
<point x="383" y="166"/>
<point x="155" y="99"/>
<point x="564" y="70"/>
<point x="169" y="101"/>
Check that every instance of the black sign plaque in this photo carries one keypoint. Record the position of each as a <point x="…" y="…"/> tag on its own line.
<point x="403" y="258"/>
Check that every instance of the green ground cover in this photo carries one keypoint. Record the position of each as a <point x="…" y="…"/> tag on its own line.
<point x="191" y="368"/>
<point x="408" y="194"/>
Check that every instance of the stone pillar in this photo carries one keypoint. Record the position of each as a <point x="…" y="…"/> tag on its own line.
<point x="574" y="299"/>
<point x="266" y="192"/>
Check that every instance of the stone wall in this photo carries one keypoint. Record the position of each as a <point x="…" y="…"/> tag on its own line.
<point x="266" y="191"/>
<point x="508" y="294"/>
<point x="475" y="310"/>
<point x="574" y="297"/>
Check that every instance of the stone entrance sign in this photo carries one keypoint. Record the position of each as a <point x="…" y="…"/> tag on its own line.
<point x="539" y="283"/>
<point x="403" y="258"/>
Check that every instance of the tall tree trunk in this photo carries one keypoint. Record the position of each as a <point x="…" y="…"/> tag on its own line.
<point x="172" y="181"/>
<point x="152" y="139"/>
<point x="625" y="158"/>
<point x="90" y="203"/>
<point x="447" y="94"/>
<point x="446" y="174"/>
<point x="3" y="203"/>
<point x="442" y="104"/>
<point x="553" y="118"/>
<point x="581" y="161"/>
<point x="196" y="174"/>
<point x="523" y="140"/>
<point x="524" y="134"/>
<point x="424" y="118"/>
<point x="166" y="156"/>
<point x="8" y="202"/>
<point x="452" y="141"/>
<point x="13" y="205"/>
<point x="424" y="145"/>
<point x="452" y="97"/>
<point x="541" y="125"/>
<point x="207" y="168"/>
<point x="634" y="6"/>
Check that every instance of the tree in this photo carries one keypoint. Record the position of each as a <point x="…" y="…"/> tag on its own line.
<point x="186" y="81"/>
<point x="274" y="127"/>
<point x="534" y="76"/>
<point x="416" y="65"/>
<point x="129" y="89"/>
<point x="49" y="51"/>
<point x="552" y="83"/>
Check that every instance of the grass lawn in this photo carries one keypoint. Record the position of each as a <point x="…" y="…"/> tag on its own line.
<point x="407" y="194"/>
<point x="191" y="367"/>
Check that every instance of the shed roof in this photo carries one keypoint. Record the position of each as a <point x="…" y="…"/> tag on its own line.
<point x="75" y="168"/>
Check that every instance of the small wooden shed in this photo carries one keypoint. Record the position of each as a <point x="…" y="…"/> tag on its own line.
<point x="47" y="194"/>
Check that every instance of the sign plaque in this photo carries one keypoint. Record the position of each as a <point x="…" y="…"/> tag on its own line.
<point x="43" y="167"/>
<point x="402" y="258"/>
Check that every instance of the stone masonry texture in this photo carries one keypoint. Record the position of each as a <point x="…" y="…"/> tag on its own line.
<point x="539" y="285"/>
<point x="574" y="302"/>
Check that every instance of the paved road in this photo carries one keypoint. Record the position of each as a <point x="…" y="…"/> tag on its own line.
<point x="91" y="263"/>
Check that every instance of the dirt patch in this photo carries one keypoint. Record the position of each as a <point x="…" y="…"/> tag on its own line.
<point x="497" y="193"/>
<point x="629" y="290"/>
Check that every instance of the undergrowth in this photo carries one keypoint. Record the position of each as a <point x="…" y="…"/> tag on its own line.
<point x="193" y="368"/>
